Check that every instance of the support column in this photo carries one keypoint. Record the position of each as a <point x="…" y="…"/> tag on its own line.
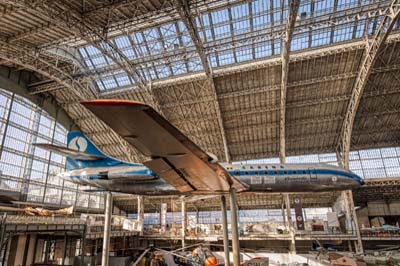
<point x="83" y="246"/>
<point x="7" y="250"/>
<point x="163" y="218"/>
<point x="292" y="246"/>
<point x="234" y="225"/>
<point x="184" y="222"/>
<point x="225" y="229"/>
<point x="64" y="249"/>
<point x="284" y="214"/>
<point x="26" y="249"/>
<point x="107" y="230"/>
<point x="141" y="213"/>
<point x="351" y="219"/>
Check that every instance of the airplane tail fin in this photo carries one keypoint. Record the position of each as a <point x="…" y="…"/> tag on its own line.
<point x="80" y="152"/>
<point x="76" y="140"/>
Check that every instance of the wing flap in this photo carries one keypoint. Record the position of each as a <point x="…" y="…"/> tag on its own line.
<point x="77" y="155"/>
<point x="154" y="136"/>
<point x="169" y="174"/>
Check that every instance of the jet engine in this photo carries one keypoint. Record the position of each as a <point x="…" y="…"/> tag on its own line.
<point x="212" y="157"/>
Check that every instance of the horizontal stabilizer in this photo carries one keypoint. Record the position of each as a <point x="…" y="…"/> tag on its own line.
<point x="74" y="154"/>
<point x="92" y="190"/>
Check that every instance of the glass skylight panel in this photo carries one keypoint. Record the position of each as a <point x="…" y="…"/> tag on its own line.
<point x="124" y="44"/>
<point x="170" y="37"/>
<point x="323" y="7"/>
<point x="300" y="41"/>
<point x="178" y="68"/>
<point x="240" y="18"/>
<point x="163" y="71"/>
<point x="123" y="79"/>
<point x="388" y="152"/>
<point x="226" y="58"/>
<point x="393" y="172"/>
<point x="194" y="64"/>
<point x="343" y="32"/>
<point x="221" y="23"/>
<point x="100" y="85"/>
<point x="152" y="40"/>
<point x="391" y="162"/>
<point x="109" y="82"/>
<point x="95" y="58"/>
<point x="138" y="39"/>
<point x="184" y="34"/>
<point x="320" y="37"/>
<point x="346" y="4"/>
<point x="150" y="70"/>
<point x="370" y="154"/>
<point x="261" y="10"/>
<point x="263" y="49"/>
<point x="206" y="28"/>
<point x="244" y="53"/>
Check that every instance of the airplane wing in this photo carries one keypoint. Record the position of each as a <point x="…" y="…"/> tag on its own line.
<point x="175" y="158"/>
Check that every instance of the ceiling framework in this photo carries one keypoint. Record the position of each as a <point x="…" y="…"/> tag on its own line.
<point x="220" y="71"/>
<point x="371" y="54"/>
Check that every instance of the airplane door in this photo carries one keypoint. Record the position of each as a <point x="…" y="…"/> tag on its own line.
<point x="313" y="174"/>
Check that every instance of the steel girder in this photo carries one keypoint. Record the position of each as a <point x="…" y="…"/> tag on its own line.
<point x="65" y="16"/>
<point x="187" y="17"/>
<point x="287" y="40"/>
<point x="30" y="59"/>
<point x="372" y="49"/>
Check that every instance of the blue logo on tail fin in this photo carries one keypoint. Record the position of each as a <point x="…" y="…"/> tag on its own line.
<point x="78" y="141"/>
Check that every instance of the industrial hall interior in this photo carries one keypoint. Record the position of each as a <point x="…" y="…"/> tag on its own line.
<point x="199" y="132"/>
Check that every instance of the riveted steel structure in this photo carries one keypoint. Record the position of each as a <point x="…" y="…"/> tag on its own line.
<point x="243" y="79"/>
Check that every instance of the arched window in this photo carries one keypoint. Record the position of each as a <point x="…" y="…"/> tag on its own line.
<point x="29" y="169"/>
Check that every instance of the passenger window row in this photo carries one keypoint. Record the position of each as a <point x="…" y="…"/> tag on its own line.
<point x="295" y="172"/>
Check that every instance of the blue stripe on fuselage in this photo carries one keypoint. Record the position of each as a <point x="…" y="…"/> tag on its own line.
<point x="298" y="172"/>
<point x="106" y="162"/>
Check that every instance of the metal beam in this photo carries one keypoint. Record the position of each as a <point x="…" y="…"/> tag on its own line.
<point x="64" y="16"/>
<point x="373" y="47"/>
<point x="188" y="19"/>
<point x="107" y="229"/>
<point x="27" y="58"/>
<point x="290" y="24"/>
<point x="225" y="230"/>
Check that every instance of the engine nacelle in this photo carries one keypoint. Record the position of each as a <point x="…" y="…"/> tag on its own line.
<point x="213" y="158"/>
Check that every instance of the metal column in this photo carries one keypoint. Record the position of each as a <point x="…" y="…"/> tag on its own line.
<point x="351" y="216"/>
<point x="184" y="222"/>
<point x="64" y="249"/>
<point x="234" y="225"/>
<point x="140" y="213"/>
<point x="26" y="249"/>
<point x="225" y="229"/>
<point x="83" y="245"/>
<point x="107" y="230"/>
<point x="292" y="247"/>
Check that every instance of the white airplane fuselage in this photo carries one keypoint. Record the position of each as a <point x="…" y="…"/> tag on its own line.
<point x="137" y="179"/>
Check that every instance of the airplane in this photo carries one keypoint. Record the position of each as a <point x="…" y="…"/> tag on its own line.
<point x="177" y="165"/>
